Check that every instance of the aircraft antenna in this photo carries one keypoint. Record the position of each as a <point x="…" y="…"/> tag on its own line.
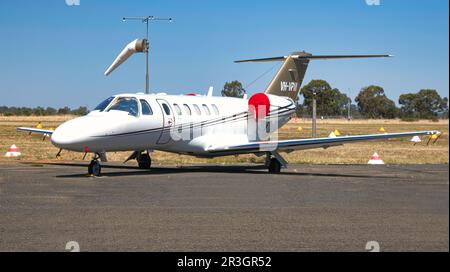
<point x="146" y="20"/>
<point x="260" y="76"/>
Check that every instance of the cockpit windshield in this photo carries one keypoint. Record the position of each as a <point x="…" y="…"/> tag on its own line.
<point x="102" y="106"/>
<point x="127" y="104"/>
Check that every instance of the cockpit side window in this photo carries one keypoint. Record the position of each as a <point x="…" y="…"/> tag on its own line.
<point x="127" y="104"/>
<point x="102" y="106"/>
<point x="146" y="109"/>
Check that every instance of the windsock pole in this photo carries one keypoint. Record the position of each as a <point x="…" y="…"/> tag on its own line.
<point x="147" y="76"/>
<point x="146" y="20"/>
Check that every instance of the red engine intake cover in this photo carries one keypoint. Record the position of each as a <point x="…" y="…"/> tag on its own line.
<point x="259" y="105"/>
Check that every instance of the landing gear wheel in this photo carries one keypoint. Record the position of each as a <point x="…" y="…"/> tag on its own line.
<point x="144" y="161"/>
<point x="95" y="168"/>
<point x="274" y="166"/>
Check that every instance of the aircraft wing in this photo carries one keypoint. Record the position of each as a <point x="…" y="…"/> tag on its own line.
<point x="36" y="130"/>
<point x="310" y="143"/>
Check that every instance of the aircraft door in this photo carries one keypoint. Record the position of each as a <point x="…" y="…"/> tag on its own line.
<point x="168" y="121"/>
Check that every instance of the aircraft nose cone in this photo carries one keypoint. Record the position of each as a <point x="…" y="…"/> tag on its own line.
<point x="70" y="135"/>
<point x="59" y="137"/>
<point x="62" y="138"/>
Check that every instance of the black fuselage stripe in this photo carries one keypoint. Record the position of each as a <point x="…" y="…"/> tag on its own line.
<point x="229" y="119"/>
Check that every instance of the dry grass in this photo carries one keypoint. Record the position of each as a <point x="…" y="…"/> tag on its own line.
<point x="398" y="151"/>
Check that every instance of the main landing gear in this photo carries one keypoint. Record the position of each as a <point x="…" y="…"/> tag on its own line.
<point x="274" y="162"/>
<point x="144" y="161"/>
<point x="274" y="166"/>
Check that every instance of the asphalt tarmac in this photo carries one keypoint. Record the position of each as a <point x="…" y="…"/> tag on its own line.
<point x="224" y="208"/>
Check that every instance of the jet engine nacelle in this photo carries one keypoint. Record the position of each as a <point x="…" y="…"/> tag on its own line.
<point x="136" y="46"/>
<point x="259" y="105"/>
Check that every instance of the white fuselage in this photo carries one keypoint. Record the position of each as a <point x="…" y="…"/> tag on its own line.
<point x="186" y="124"/>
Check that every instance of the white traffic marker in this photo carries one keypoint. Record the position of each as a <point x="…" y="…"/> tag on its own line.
<point x="416" y="139"/>
<point x="375" y="159"/>
<point x="13" y="151"/>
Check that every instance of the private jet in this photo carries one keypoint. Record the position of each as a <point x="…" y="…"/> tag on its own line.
<point x="204" y="126"/>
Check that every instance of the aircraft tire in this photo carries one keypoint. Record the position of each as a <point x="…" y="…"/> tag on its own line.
<point x="274" y="166"/>
<point x="144" y="161"/>
<point x="95" y="168"/>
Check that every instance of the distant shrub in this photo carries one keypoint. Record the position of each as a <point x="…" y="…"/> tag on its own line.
<point x="40" y="111"/>
<point x="410" y="119"/>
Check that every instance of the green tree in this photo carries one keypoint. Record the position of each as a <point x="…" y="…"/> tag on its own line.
<point x="39" y="111"/>
<point x="24" y="111"/>
<point x="299" y="109"/>
<point x="330" y="101"/>
<point x="50" y="111"/>
<point x="64" y="111"/>
<point x="354" y="111"/>
<point x="408" y="102"/>
<point x="373" y="103"/>
<point x="233" y="89"/>
<point x="80" y="111"/>
<point x="427" y="104"/>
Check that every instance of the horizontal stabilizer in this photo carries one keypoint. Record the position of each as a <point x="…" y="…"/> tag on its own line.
<point x="314" y="57"/>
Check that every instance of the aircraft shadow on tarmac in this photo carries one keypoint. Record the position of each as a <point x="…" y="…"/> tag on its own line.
<point x="242" y="169"/>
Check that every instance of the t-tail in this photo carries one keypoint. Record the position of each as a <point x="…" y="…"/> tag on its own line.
<point x="289" y="78"/>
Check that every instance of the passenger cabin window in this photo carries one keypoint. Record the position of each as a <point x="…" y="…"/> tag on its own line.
<point x="216" y="110"/>
<point x="166" y="108"/>
<point x="177" y="109"/>
<point x="205" y="107"/>
<point x="127" y="104"/>
<point x="187" y="109"/>
<point x="146" y="109"/>
<point x="197" y="109"/>
<point x="102" y="106"/>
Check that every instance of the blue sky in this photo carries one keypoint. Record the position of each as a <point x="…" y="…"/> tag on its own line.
<point x="52" y="54"/>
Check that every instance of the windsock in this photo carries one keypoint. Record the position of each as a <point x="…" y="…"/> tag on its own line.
<point x="136" y="46"/>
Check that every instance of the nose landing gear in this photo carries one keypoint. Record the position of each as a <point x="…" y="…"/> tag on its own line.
<point x="94" y="168"/>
